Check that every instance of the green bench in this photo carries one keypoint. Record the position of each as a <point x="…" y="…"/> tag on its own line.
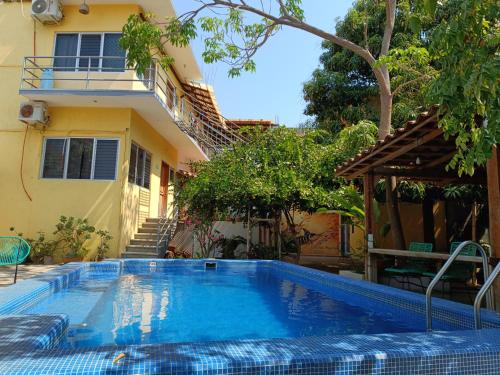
<point x="413" y="267"/>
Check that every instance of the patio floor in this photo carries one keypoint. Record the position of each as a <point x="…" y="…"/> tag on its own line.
<point x="24" y="272"/>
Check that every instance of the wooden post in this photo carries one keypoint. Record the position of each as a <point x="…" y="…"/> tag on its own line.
<point x="493" y="171"/>
<point x="370" y="261"/>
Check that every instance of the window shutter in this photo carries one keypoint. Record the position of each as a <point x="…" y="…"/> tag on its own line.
<point x="90" y="45"/>
<point x="132" y="165"/>
<point x="53" y="161"/>
<point x="147" y="171"/>
<point x="66" y="45"/>
<point x="106" y="155"/>
<point x="112" y="48"/>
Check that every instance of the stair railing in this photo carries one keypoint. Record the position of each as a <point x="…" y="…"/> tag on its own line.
<point x="451" y="259"/>
<point x="482" y="292"/>
<point x="166" y="228"/>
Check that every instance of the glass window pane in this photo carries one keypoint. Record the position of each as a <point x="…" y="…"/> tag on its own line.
<point x="105" y="159"/>
<point x="90" y="45"/>
<point x="147" y="171"/>
<point x="132" y="168"/>
<point x="80" y="158"/>
<point x="53" y="162"/>
<point x="112" y="49"/>
<point x="139" y="180"/>
<point x="66" y="45"/>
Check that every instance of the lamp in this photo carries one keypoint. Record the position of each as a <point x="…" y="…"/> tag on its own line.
<point x="418" y="161"/>
<point x="84" y="8"/>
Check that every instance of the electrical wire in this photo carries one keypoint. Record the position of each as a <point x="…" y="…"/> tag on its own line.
<point x="22" y="162"/>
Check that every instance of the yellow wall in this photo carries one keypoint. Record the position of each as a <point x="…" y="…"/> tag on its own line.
<point x="112" y="205"/>
<point x="99" y="201"/>
<point x="139" y="203"/>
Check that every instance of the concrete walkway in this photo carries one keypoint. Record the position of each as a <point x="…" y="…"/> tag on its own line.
<point x="24" y="272"/>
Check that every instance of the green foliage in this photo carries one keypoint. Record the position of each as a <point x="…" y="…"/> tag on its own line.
<point x="40" y="246"/>
<point x="344" y="90"/>
<point x="142" y="40"/>
<point x="466" y="48"/>
<point x="277" y="171"/>
<point x="71" y="234"/>
<point x="229" y="245"/>
<point x="103" y="247"/>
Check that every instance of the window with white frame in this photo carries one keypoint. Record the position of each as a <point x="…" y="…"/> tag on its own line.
<point x="139" y="171"/>
<point x="80" y="158"/>
<point x="76" y="51"/>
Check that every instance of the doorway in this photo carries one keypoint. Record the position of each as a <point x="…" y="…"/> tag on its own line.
<point x="165" y="171"/>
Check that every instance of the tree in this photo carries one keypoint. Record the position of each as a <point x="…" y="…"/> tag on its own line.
<point x="234" y="40"/>
<point x="344" y="89"/>
<point x="275" y="173"/>
<point x="466" y="47"/>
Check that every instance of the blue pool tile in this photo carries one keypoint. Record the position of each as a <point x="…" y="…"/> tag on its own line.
<point x="29" y="341"/>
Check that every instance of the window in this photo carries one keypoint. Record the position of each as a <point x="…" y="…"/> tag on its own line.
<point x="76" y="51"/>
<point x="139" y="172"/>
<point x="80" y="158"/>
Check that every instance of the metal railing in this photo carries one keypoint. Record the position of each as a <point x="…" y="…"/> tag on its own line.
<point x="451" y="259"/>
<point x="485" y="290"/>
<point x="97" y="73"/>
<point x="166" y="229"/>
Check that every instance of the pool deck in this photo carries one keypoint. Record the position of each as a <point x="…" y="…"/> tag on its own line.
<point x="24" y="272"/>
<point x="30" y="341"/>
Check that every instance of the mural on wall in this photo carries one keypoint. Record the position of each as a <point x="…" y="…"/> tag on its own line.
<point x="319" y="233"/>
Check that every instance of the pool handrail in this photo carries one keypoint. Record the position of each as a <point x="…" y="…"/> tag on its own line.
<point x="444" y="268"/>
<point x="482" y="292"/>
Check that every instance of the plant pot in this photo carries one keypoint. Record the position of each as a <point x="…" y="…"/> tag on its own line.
<point x="48" y="260"/>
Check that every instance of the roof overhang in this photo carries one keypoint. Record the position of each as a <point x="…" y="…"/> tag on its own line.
<point x="417" y="151"/>
<point x="185" y="63"/>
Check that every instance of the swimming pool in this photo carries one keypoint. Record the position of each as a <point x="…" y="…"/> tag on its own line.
<point x="180" y="316"/>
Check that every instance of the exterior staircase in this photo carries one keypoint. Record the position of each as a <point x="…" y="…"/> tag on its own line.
<point x="144" y="243"/>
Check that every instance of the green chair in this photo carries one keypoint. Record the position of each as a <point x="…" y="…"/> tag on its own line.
<point x="13" y="251"/>
<point x="458" y="272"/>
<point x="413" y="267"/>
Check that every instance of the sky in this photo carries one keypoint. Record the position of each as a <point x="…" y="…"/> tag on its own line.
<point x="274" y="91"/>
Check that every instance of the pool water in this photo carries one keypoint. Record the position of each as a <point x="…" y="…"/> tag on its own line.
<point x="194" y="305"/>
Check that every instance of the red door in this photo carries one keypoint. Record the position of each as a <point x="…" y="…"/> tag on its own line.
<point x="164" y="188"/>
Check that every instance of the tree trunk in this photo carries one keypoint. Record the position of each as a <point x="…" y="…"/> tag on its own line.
<point x="393" y="212"/>
<point x="384" y="128"/>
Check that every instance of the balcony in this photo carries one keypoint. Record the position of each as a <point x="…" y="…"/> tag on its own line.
<point x="90" y="81"/>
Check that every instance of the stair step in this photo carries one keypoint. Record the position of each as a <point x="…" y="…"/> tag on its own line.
<point x="134" y="255"/>
<point x="145" y="236"/>
<point x="150" y="225"/>
<point x="147" y="230"/>
<point x="141" y="248"/>
<point x="145" y="242"/>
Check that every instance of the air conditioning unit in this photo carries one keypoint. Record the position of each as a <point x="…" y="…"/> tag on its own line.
<point x="33" y="113"/>
<point x="46" y="11"/>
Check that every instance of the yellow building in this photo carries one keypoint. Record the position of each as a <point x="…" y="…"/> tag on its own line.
<point x="97" y="140"/>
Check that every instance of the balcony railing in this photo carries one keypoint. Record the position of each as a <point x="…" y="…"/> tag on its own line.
<point x="91" y="73"/>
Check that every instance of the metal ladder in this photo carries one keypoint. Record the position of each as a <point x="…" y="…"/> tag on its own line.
<point x="482" y="292"/>
<point x="451" y="259"/>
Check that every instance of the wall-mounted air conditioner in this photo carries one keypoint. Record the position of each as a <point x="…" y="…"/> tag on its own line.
<point x="46" y="11"/>
<point x="34" y="113"/>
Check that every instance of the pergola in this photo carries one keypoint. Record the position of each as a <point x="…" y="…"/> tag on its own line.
<point x="419" y="151"/>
